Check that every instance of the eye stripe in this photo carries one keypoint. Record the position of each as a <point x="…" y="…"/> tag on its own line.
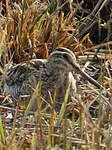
<point x="62" y="50"/>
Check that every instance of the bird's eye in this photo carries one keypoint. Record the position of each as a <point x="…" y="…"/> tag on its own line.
<point x="68" y="58"/>
<point x="65" y="56"/>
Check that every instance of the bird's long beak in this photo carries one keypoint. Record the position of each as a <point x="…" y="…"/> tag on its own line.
<point x="87" y="77"/>
<point x="91" y="80"/>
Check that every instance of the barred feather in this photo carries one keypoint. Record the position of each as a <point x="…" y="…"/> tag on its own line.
<point x="22" y="77"/>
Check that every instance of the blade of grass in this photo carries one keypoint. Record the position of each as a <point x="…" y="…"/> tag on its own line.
<point x="22" y="17"/>
<point x="2" y="131"/>
<point x="51" y="8"/>
<point x="63" y="107"/>
<point x="31" y="102"/>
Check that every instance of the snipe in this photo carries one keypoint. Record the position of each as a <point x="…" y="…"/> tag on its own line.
<point x="56" y="73"/>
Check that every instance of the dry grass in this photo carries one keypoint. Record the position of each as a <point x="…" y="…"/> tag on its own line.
<point x="32" y="29"/>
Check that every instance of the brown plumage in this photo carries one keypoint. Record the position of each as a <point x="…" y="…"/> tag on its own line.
<point x="56" y="72"/>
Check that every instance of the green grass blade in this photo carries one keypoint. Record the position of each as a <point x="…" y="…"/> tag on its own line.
<point x="63" y="107"/>
<point x="2" y="131"/>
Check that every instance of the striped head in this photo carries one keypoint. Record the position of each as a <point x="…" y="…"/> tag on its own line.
<point x="63" y="58"/>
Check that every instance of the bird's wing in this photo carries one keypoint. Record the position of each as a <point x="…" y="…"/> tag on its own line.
<point x="18" y="73"/>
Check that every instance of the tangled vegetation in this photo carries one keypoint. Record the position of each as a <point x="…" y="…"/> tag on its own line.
<point x="33" y="29"/>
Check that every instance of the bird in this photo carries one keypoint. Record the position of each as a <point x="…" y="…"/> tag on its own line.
<point x="56" y="73"/>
